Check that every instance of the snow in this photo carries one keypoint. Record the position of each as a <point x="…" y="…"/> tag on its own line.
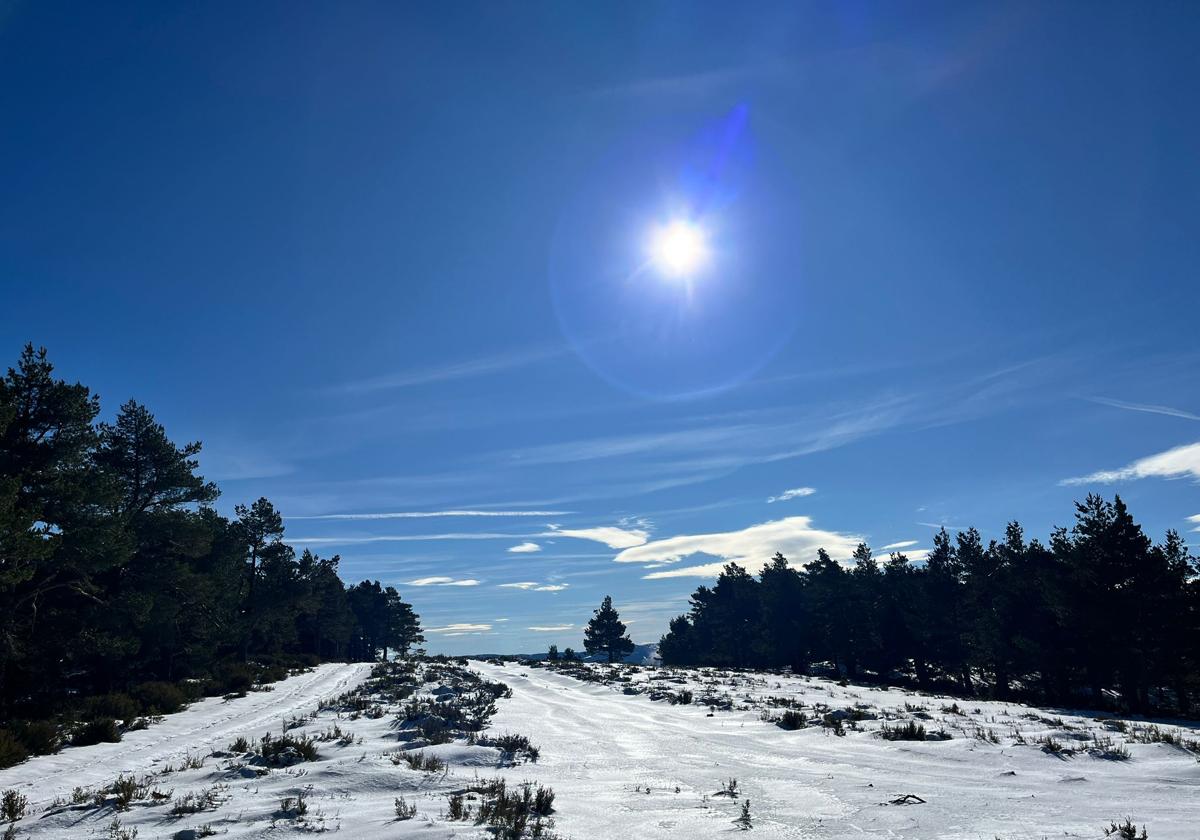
<point x="625" y="766"/>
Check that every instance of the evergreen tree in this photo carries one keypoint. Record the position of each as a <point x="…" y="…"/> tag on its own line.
<point x="605" y="633"/>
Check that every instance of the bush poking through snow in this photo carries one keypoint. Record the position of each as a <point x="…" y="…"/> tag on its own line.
<point x="792" y="720"/>
<point x="1125" y="831"/>
<point x="420" y="761"/>
<point x="729" y="789"/>
<point x="744" y="822"/>
<point x="286" y="750"/>
<point x="194" y="803"/>
<point x="516" y="814"/>
<point x="405" y="811"/>
<point x="910" y="731"/>
<point x="293" y="807"/>
<point x="512" y="748"/>
<point x="12" y="805"/>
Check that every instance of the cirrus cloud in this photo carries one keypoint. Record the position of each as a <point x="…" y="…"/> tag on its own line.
<point x="460" y="629"/>
<point x="551" y="628"/>
<point x="525" y="548"/>
<point x="443" y="581"/>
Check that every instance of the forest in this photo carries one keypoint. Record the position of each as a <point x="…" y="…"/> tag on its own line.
<point x="1098" y="616"/>
<point x="123" y="592"/>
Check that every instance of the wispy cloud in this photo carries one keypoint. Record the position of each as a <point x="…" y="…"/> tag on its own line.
<point x="363" y="539"/>
<point x="431" y="514"/>
<point x="464" y="369"/>
<point x="443" y="581"/>
<point x="1195" y="520"/>
<point x="795" y="493"/>
<point x="896" y="546"/>
<point x="1174" y="463"/>
<point x="610" y="535"/>
<point x="525" y="548"/>
<point x="460" y="629"/>
<point x="794" y="536"/>
<point x="551" y="628"/>
<point x="1149" y="409"/>
<point x="534" y="586"/>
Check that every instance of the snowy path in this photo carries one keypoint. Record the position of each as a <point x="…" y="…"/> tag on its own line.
<point x="203" y="727"/>
<point x="600" y="748"/>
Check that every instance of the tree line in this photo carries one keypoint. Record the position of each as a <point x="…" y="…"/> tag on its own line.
<point x="116" y="571"/>
<point x="1100" y="614"/>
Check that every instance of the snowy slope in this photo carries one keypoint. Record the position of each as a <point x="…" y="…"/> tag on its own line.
<point x="601" y="747"/>
<point x="205" y="726"/>
<point x="624" y="766"/>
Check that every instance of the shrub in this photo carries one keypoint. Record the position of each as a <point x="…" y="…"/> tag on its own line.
<point x="12" y="750"/>
<point x="420" y="761"/>
<point x="287" y="749"/>
<point x="404" y="811"/>
<point x="1125" y="831"/>
<point x="515" y="746"/>
<point x="12" y="805"/>
<point x="910" y="731"/>
<point x="515" y="814"/>
<point x="744" y="821"/>
<point x="792" y="719"/>
<point x="160" y="698"/>
<point x="112" y="705"/>
<point x="194" y="803"/>
<point x="40" y="737"/>
<point x="240" y="745"/>
<point x="100" y="730"/>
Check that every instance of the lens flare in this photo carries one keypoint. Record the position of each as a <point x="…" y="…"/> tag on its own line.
<point x="679" y="249"/>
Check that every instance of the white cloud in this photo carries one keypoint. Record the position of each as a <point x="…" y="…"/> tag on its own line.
<point x="443" y="581"/>
<point x="552" y="628"/>
<point x="533" y="585"/>
<point x="1195" y="520"/>
<point x="460" y="629"/>
<point x="525" y="548"/>
<point x="431" y="514"/>
<point x="753" y="547"/>
<point x="610" y="535"/>
<point x="708" y="570"/>
<point x="896" y="546"/>
<point x="1174" y="463"/>
<point x="788" y="495"/>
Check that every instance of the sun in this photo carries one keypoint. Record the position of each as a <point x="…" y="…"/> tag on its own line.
<point x="679" y="249"/>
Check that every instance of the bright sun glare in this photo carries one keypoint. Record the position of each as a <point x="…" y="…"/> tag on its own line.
<point x="679" y="249"/>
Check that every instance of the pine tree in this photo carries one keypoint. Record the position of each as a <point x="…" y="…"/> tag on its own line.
<point x="605" y="633"/>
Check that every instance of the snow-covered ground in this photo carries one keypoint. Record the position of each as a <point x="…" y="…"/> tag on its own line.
<point x="617" y="762"/>
<point x="624" y="766"/>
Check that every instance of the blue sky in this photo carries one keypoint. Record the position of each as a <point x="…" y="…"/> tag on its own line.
<point x="388" y="260"/>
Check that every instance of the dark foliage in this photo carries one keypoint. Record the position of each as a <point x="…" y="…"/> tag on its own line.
<point x="1099" y="615"/>
<point x="605" y="633"/>
<point x="124" y="594"/>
